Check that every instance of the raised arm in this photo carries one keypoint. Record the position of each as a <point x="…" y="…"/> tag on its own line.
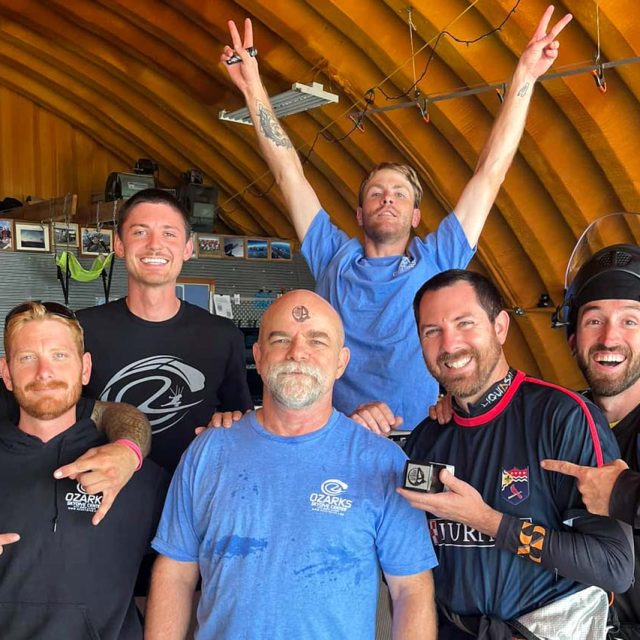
<point x="277" y="150"/>
<point x="495" y="159"/>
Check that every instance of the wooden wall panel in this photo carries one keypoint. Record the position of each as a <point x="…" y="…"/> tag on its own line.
<point x="44" y="156"/>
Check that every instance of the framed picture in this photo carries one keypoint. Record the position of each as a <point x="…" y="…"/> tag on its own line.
<point x="209" y="246"/>
<point x="257" y="249"/>
<point x="281" y="250"/>
<point x="31" y="236"/>
<point x="6" y="235"/>
<point x="94" y="242"/>
<point x="234" y="247"/>
<point x="198" y="291"/>
<point x="65" y="235"/>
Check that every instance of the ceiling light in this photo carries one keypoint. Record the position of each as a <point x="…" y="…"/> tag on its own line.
<point x="300" y="98"/>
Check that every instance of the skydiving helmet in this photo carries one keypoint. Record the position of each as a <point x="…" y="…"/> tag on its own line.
<point x="604" y="265"/>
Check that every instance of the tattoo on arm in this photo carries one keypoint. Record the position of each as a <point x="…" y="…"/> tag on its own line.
<point x="522" y="92"/>
<point x="119" y="420"/>
<point x="271" y="128"/>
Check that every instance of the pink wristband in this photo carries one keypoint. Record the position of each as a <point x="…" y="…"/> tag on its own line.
<point x="130" y="444"/>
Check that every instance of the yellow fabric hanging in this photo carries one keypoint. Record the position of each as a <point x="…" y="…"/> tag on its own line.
<point x="77" y="271"/>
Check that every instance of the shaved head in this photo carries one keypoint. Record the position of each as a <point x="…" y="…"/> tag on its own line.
<point x="300" y="351"/>
<point x="302" y="306"/>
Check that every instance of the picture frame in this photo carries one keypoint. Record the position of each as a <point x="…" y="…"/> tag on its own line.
<point x="209" y="245"/>
<point x="197" y="291"/>
<point x="94" y="243"/>
<point x="257" y="249"/>
<point x="280" y="250"/>
<point x="66" y="235"/>
<point x="30" y="236"/>
<point x="7" y="235"/>
<point x="234" y="247"/>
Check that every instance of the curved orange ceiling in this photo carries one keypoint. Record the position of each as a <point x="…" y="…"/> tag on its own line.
<point x="143" y="79"/>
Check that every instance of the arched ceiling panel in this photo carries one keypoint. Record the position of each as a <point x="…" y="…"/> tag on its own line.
<point x="143" y="79"/>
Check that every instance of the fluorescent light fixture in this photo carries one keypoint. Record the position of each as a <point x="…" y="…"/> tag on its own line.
<point x="300" y="98"/>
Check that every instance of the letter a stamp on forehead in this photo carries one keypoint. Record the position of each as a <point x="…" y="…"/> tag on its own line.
<point x="300" y="313"/>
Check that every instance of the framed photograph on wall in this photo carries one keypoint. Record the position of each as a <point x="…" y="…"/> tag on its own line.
<point x="198" y="291"/>
<point x="281" y="250"/>
<point x="257" y="249"/>
<point x="66" y="235"/>
<point x="94" y="242"/>
<point x="209" y="246"/>
<point x="234" y="247"/>
<point x="31" y="236"/>
<point x="6" y="235"/>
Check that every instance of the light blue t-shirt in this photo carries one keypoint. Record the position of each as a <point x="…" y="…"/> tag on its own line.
<point x="374" y="297"/>
<point x="289" y="533"/>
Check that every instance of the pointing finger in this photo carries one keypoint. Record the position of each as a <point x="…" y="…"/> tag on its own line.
<point x="562" y="466"/>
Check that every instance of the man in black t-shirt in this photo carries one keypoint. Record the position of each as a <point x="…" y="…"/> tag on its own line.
<point x="603" y="317"/>
<point x="515" y="545"/>
<point x="176" y="362"/>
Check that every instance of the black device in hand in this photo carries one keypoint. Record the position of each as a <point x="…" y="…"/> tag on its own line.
<point x="424" y="476"/>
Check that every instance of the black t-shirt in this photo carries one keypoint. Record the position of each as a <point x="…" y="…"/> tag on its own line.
<point x="177" y="372"/>
<point x="627" y="433"/>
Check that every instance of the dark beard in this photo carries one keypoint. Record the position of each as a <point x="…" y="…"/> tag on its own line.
<point x="609" y="386"/>
<point x="464" y="386"/>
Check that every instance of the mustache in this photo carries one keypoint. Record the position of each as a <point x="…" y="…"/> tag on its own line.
<point x="445" y="357"/>
<point x="296" y="367"/>
<point x="619" y="348"/>
<point x="46" y="386"/>
<point x="386" y="207"/>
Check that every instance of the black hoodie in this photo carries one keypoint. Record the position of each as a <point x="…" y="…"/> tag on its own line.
<point x="66" y="578"/>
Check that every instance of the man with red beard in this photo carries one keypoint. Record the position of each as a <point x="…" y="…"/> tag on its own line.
<point x="62" y="577"/>
<point x="516" y="547"/>
<point x="289" y="515"/>
<point x="604" y="333"/>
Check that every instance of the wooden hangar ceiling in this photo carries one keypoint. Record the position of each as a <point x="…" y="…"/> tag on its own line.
<point x="142" y="78"/>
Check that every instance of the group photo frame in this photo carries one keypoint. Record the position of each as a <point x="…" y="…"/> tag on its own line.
<point x="209" y="245"/>
<point x="6" y="234"/>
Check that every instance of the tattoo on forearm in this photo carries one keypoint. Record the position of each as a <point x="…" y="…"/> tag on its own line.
<point x="271" y="128"/>
<point x="118" y="420"/>
<point x="522" y="92"/>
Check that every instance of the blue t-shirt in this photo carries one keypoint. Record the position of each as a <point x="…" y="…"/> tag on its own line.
<point x="374" y="297"/>
<point x="289" y="532"/>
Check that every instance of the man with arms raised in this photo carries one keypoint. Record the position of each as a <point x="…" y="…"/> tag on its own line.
<point x="62" y="577"/>
<point x="372" y="285"/>
<point x="603" y="305"/>
<point x="515" y="545"/>
<point x="176" y="362"/>
<point x="288" y="515"/>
